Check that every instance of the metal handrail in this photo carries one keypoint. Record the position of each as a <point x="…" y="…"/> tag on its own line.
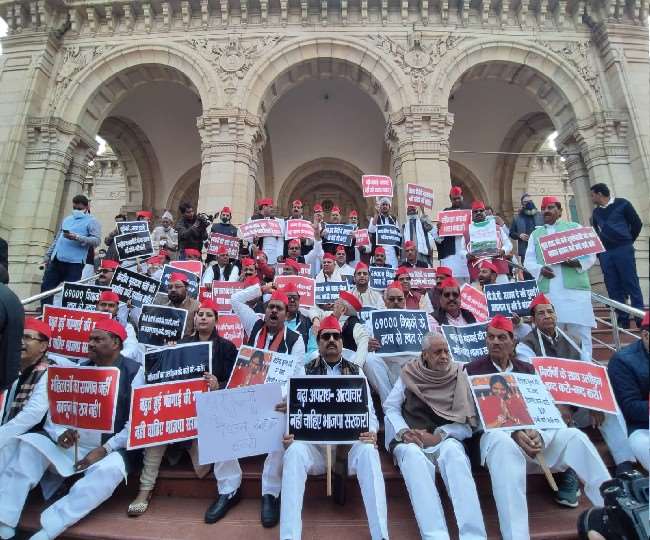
<point x="613" y="305"/>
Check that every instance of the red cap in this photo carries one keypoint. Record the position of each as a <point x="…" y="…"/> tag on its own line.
<point x="541" y="298"/>
<point x="109" y="263"/>
<point x="164" y="253"/>
<point x="353" y="213"/>
<point x="280" y="296"/>
<point x="247" y="261"/>
<point x="144" y="213"/>
<point x="444" y="271"/>
<point x="221" y="250"/>
<point x="226" y="209"/>
<point x="409" y="244"/>
<point x="351" y="299"/>
<point x="178" y="276"/>
<point x="549" y="200"/>
<point x="292" y="263"/>
<point x="251" y="280"/>
<point x="478" y="205"/>
<point x="335" y="209"/>
<point x="156" y="259"/>
<point x="109" y="296"/>
<point x="501" y="323"/>
<point x="207" y="303"/>
<point x="489" y="265"/>
<point x="318" y="208"/>
<point x="329" y="323"/>
<point x="340" y="248"/>
<point x="379" y="250"/>
<point x="402" y="271"/>
<point x="294" y="242"/>
<point x="39" y="326"/>
<point x="455" y="191"/>
<point x="645" y="323"/>
<point x="360" y="266"/>
<point x="265" y="202"/>
<point x="329" y="257"/>
<point x="297" y="202"/>
<point x="450" y="283"/>
<point x="395" y="285"/>
<point x="191" y="252"/>
<point x="112" y="327"/>
<point x="290" y="288"/>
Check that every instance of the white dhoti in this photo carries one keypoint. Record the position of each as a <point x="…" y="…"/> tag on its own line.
<point x="640" y="444"/>
<point x="301" y="459"/>
<point x="383" y="371"/>
<point x="508" y="463"/>
<point x="419" y="475"/>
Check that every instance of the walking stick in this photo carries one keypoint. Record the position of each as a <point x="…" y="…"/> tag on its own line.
<point x="328" y="449"/>
<point x="547" y="471"/>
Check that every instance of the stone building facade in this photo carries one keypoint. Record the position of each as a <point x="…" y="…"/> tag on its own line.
<point x="223" y="101"/>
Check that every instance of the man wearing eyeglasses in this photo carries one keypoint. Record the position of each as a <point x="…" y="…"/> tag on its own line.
<point x="449" y="311"/>
<point x="413" y="299"/>
<point x="301" y="459"/>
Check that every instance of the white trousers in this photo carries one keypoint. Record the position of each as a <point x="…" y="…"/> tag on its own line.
<point x="614" y="434"/>
<point x="382" y="372"/>
<point x="23" y="472"/>
<point x="507" y="463"/>
<point x="419" y="475"/>
<point x="229" y="475"/>
<point x="584" y="334"/>
<point x="301" y="459"/>
<point x="640" y="443"/>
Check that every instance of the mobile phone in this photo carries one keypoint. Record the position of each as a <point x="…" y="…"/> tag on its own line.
<point x="65" y="231"/>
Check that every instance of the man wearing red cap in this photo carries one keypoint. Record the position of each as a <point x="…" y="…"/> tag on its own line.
<point x="301" y="459"/>
<point x="318" y="213"/>
<point x="379" y="257"/>
<point x="486" y="235"/>
<point x="508" y="455"/>
<point x="144" y="215"/>
<point x="106" y="270"/>
<point x="417" y="231"/>
<point x="629" y="372"/>
<point x="109" y="302"/>
<point x="413" y="299"/>
<point x="384" y="217"/>
<point x="367" y="296"/>
<point x="177" y="297"/>
<point x="297" y="321"/>
<point x="192" y="231"/>
<point x="451" y="249"/>
<point x="221" y="270"/>
<point x="103" y="459"/>
<point x="442" y="273"/>
<point x="567" y="284"/>
<point x="164" y="236"/>
<point x="330" y="270"/>
<point x="487" y="274"/>
<point x="312" y="253"/>
<point x="273" y="246"/>
<point x="450" y="310"/>
<point x="342" y="261"/>
<point x="305" y="245"/>
<point x="411" y="256"/>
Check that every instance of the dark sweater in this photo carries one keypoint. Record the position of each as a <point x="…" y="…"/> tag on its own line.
<point x="617" y="224"/>
<point x="484" y="366"/>
<point x="629" y="373"/>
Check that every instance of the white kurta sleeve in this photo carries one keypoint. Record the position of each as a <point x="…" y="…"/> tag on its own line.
<point x="131" y="348"/>
<point x="234" y="274"/>
<point x="530" y="260"/>
<point x="456" y="431"/>
<point x="315" y="254"/>
<point x="119" y="440"/>
<point x="524" y="352"/>
<point x="361" y="338"/>
<point x="586" y="262"/>
<point x="393" y="406"/>
<point x="31" y="414"/>
<point x="208" y="276"/>
<point x="373" y="422"/>
<point x="246" y="315"/>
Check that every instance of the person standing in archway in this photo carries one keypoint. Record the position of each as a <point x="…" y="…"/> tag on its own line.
<point x="191" y="230"/>
<point x="524" y="223"/>
<point x="384" y="217"/>
<point x="272" y="246"/>
<point x="164" y="236"/>
<point x="451" y="249"/>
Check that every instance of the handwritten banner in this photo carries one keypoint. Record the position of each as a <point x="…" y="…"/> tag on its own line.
<point x="193" y="280"/>
<point x="79" y="296"/>
<point x="566" y="245"/>
<point x="160" y="324"/>
<point x="71" y="329"/>
<point x="124" y="227"/>
<point x="299" y="228"/>
<point x="138" y="288"/>
<point x="422" y="278"/>
<point x="222" y="291"/>
<point x="454" y="222"/>
<point x="466" y="343"/>
<point x="185" y="361"/>
<point x="474" y="301"/>
<point x="326" y="292"/>
<point x="229" y="327"/>
<point x="132" y="245"/>
<point x="509" y="298"/>
<point x="399" y="331"/>
<point x="419" y="196"/>
<point x="217" y="240"/>
<point x="260" y="366"/>
<point x="361" y="237"/>
<point x="336" y="233"/>
<point x="259" y="228"/>
<point x="83" y="397"/>
<point x="381" y="276"/>
<point x="375" y="185"/>
<point x="306" y="288"/>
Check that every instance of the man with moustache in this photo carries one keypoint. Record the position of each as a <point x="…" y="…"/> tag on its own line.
<point x="178" y="298"/>
<point x="367" y="296"/>
<point x="451" y="249"/>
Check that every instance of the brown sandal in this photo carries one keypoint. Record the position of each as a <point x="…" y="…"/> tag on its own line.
<point x="138" y="508"/>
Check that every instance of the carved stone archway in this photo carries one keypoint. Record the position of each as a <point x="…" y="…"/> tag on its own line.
<point x="187" y="189"/>
<point x="472" y="187"/>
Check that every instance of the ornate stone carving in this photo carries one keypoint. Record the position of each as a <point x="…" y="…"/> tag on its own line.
<point x="417" y="60"/>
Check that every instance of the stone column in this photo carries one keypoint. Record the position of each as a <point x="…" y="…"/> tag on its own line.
<point x="230" y="142"/>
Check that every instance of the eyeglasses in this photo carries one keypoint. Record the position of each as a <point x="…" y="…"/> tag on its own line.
<point x="333" y="335"/>
<point x="105" y="271"/>
<point x="451" y="295"/>
<point x="32" y="338"/>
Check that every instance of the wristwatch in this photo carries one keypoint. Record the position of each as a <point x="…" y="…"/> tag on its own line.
<point x="399" y="436"/>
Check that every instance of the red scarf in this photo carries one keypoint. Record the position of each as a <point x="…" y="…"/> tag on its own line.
<point x="261" y="340"/>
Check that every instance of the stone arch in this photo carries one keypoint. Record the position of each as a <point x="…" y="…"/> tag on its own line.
<point x="473" y="188"/>
<point x="186" y="188"/>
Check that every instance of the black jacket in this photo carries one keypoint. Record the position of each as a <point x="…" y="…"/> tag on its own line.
<point x="12" y="319"/>
<point x="441" y="316"/>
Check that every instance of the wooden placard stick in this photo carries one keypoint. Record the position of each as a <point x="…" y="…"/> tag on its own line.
<point x="329" y="469"/>
<point x="547" y="471"/>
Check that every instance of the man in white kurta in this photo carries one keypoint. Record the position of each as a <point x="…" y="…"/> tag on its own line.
<point x="566" y="284"/>
<point x="452" y="251"/>
<point x="273" y="246"/>
<point x="383" y="217"/>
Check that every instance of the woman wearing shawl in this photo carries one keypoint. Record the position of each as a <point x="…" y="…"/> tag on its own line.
<point x="430" y="410"/>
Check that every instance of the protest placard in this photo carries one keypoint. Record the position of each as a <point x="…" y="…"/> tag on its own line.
<point x="340" y="234"/>
<point x="132" y="245"/>
<point x="454" y="222"/>
<point x="328" y="410"/>
<point x="164" y="413"/>
<point x="79" y="296"/>
<point x="193" y="280"/>
<point x="399" y="331"/>
<point x="570" y="244"/>
<point x="380" y="277"/>
<point x="388" y="235"/>
<point x="304" y="269"/>
<point x="422" y="278"/>
<point x="474" y="301"/>
<point x="71" y="329"/>
<point x="306" y="287"/>
<point x="299" y="228"/>
<point x="419" y="196"/>
<point x="239" y="422"/>
<point x="229" y="327"/>
<point x="178" y="363"/>
<point x="222" y="291"/>
<point x="361" y="237"/>
<point x="196" y="267"/>
<point x="466" y="343"/>
<point x="509" y="298"/>
<point x="125" y="227"/>
<point x="376" y="185"/>
<point x="205" y="292"/>
<point x="326" y="292"/>
<point x="160" y="324"/>
<point x="364" y="314"/>
<point x="260" y="366"/>
<point x="483" y="238"/>
<point x="83" y="397"/>
<point x="512" y="401"/>
<point x="138" y="288"/>
<point x="259" y="228"/>
<point x="574" y="382"/>
<point x="217" y="240"/>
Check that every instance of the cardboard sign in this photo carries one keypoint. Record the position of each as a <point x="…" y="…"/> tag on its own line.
<point x="196" y="267"/>
<point x="222" y="291"/>
<point x="375" y="185"/>
<point x="509" y="298"/>
<point x="83" y="397"/>
<point x="578" y="383"/>
<point x="305" y="269"/>
<point x="229" y="327"/>
<point x="454" y="222"/>
<point x="484" y="239"/>
<point x="217" y="240"/>
<point x="326" y="292"/>
<point x="192" y="285"/>
<point x="474" y="301"/>
<point x="466" y="343"/>
<point x="419" y="196"/>
<point x="238" y="423"/>
<point x="132" y="245"/>
<point x="160" y="324"/>
<point x="71" y="329"/>
<point x="182" y="362"/>
<point x="361" y="237"/>
<point x="389" y="235"/>
<point x="380" y="277"/>
<point x="138" y="288"/>
<point x="336" y="233"/>
<point x="259" y="228"/>
<point x="78" y="296"/>
<point x="259" y="366"/>
<point x="513" y="401"/>
<point x="328" y="410"/>
<point x="164" y="413"/>
<point x="306" y="287"/>
<point x="399" y="331"/>
<point x="299" y="228"/>
<point x="422" y="278"/>
<point x="125" y="227"/>
<point x="563" y="246"/>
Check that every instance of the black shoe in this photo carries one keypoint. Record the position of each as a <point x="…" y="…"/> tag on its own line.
<point x="220" y="507"/>
<point x="270" y="511"/>
<point x="624" y="467"/>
